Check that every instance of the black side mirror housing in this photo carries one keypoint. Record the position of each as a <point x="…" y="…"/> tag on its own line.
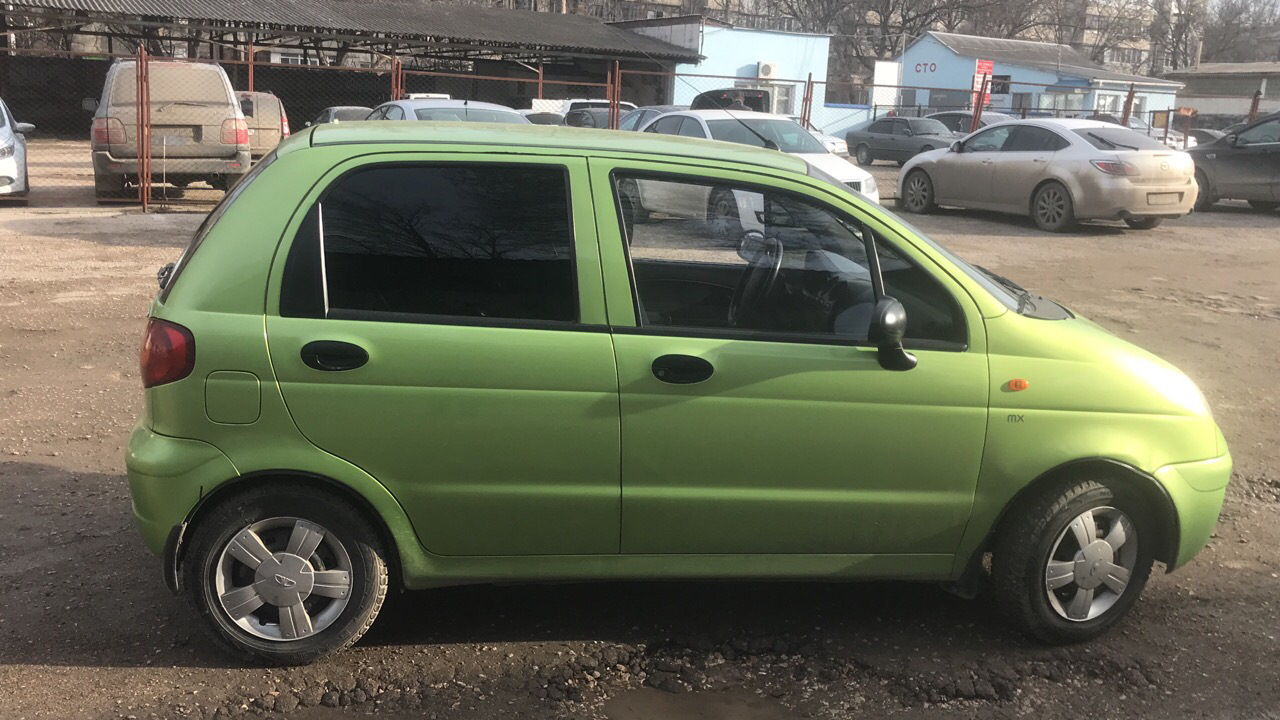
<point x="163" y="274"/>
<point x="888" y="327"/>
<point x="957" y="147"/>
<point x="1233" y="140"/>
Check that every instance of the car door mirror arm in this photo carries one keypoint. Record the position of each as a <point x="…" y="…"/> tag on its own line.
<point x="889" y="320"/>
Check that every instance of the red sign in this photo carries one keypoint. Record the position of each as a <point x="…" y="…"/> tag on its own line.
<point x="983" y="70"/>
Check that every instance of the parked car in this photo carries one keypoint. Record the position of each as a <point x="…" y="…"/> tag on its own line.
<point x="898" y="139"/>
<point x="267" y="120"/>
<point x="1057" y="171"/>
<point x="760" y="130"/>
<point x="756" y="99"/>
<point x="419" y="372"/>
<point x="1204" y="135"/>
<point x="588" y="118"/>
<point x="198" y="131"/>
<point x="1244" y="165"/>
<point x="564" y="107"/>
<point x="15" y="183"/>
<point x="832" y="143"/>
<point x="959" y="121"/>
<point x="439" y="110"/>
<point x="543" y="118"/>
<point x="342" y="113"/>
<point x="638" y="118"/>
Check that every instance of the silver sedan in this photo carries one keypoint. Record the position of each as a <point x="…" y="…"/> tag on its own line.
<point x="1056" y="171"/>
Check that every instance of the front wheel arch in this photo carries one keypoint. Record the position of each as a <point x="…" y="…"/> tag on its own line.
<point x="175" y="549"/>
<point x="1098" y="468"/>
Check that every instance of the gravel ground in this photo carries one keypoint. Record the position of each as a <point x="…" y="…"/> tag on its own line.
<point x="87" y="628"/>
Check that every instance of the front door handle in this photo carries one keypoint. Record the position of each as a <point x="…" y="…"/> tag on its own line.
<point x="333" y="355"/>
<point x="682" y="369"/>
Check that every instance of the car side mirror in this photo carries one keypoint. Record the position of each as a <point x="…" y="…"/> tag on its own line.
<point x="163" y="274"/>
<point x="1234" y="141"/>
<point x="888" y="327"/>
<point x="24" y="128"/>
<point x="957" y="147"/>
<point x="89" y="104"/>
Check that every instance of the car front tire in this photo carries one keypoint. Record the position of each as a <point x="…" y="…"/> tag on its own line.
<point x="1070" y="562"/>
<point x="917" y="193"/>
<point x="1204" y="199"/>
<point x="285" y="574"/>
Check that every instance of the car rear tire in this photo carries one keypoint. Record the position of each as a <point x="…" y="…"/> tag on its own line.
<point x="917" y="193"/>
<point x="1069" y="562"/>
<point x="863" y="155"/>
<point x="1052" y="209"/>
<point x="1263" y="205"/>
<point x="285" y="574"/>
<point x="1143" y="223"/>
<point x="1205" y="198"/>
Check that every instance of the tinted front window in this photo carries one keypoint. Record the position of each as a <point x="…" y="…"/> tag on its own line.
<point x="394" y="112"/>
<point x="1267" y="132"/>
<point x="988" y="140"/>
<point x="632" y="119"/>
<point x="787" y="135"/>
<point x="692" y="128"/>
<point x="669" y="125"/>
<point x="400" y="242"/>
<point x="723" y="258"/>
<point x="1109" y="138"/>
<point x="466" y="115"/>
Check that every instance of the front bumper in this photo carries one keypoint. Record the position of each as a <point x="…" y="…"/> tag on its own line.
<point x="167" y="478"/>
<point x="13" y="176"/>
<point x="1117" y="198"/>
<point x="1197" y="490"/>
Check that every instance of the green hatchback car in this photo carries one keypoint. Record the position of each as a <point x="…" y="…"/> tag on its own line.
<point x="408" y="356"/>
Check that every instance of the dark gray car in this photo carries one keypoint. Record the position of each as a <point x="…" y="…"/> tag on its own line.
<point x="898" y="139"/>
<point x="1243" y="165"/>
<point x="960" y="121"/>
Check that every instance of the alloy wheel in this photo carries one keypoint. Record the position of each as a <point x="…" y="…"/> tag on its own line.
<point x="283" y="578"/>
<point x="1051" y="206"/>
<point x="1090" y="564"/>
<point x="918" y="193"/>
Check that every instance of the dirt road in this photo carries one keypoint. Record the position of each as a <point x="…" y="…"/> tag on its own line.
<point x="87" y="628"/>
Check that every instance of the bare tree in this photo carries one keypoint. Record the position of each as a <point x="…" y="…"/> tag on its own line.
<point x="1175" y="33"/>
<point x="1242" y="31"/>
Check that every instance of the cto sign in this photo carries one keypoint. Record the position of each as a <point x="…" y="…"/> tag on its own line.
<point x="923" y="67"/>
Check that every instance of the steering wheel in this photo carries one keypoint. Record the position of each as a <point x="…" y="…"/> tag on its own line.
<point x="757" y="281"/>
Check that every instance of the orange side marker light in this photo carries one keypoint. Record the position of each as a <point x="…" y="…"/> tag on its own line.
<point x="1018" y="384"/>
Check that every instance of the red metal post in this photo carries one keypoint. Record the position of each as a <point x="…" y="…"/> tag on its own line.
<point x="539" y="80"/>
<point x="1253" y="107"/>
<point x="250" y="66"/>
<point x="806" y="105"/>
<point x="615" y="107"/>
<point x="1128" y="109"/>
<point x="143" y="85"/>
<point x="976" y="122"/>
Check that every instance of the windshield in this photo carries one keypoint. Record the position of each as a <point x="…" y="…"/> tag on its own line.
<point x="463" y="114"/>
<point x="787" y="135"/>
<point x="351" y="114"/>
<point x="929" y="126"/>
<point x="1118" y="138"/>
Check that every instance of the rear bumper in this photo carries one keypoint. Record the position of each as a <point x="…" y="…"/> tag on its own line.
<point x="167" y="477"/>
<point x="104" y="163"/>
<point x="1197" y="490"/>
<point x="1116" y="198"/>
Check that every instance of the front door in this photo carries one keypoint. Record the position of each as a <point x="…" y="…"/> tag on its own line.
<point x="440" y="325"/>
<point x="964" y="178"/>
<point x="1251" y="169"/>
<point x="755" y="416"/>
<point x="1019" y="166"/>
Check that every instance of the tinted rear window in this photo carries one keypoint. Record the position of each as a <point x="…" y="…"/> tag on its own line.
<point x="351" y="114"/>
<point x="469" y="115"/>
<point x="1107" y="138"/>
<point x="173" y="82"/>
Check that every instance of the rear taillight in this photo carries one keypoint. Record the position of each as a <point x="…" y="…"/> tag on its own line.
<point x="108" y="131"/>
<point x="284" y="123"/>
<point x="168" y="353"/>
<point x="235" y="131"/>
<point x="1116" y="167"/>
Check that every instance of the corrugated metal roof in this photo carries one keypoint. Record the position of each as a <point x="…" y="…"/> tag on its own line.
<point x="1249" y="68"/>
<point x="1039" y="55"/>
<point x="424" y="20"/>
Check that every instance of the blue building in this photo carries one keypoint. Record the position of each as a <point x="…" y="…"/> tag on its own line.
<point x="734" y="57"/>
<point x="938" y="74"/>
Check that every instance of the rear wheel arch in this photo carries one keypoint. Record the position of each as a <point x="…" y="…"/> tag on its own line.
<point x="1120" y="475"/>
<point x="175" y="554"/>
<point x="1031" y="199"/>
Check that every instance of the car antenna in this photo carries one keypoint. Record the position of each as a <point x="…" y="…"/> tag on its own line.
<point x="768" y="144"/>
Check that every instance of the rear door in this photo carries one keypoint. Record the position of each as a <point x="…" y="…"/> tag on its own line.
<point x="439" y="323"/>
<point x="1019" y="165"/>
<point x="880" y="138"/>
<point x="902" y="142"/>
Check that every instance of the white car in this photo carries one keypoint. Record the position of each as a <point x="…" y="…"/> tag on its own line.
<point x="765" y="130"/>
<point x="833" y="144"/>
<point x="13" y="155"/>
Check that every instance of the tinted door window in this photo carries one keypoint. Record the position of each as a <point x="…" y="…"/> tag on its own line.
<point x="902" y="127"/>
<point x="378" y="114"/>
<point x="743" y="258"/>
<point x="633" y="120"/>
<point x="1267" y="132"/>
<point x="991" y="140"/>
<point x="395" y="112"/>
<point x="409" y="242"/>
<point x="669" y="125"/>
<point x="692" y="128"/>
<point x="1027" y="138"/>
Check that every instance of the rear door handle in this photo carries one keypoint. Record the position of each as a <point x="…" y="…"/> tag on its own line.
<point x="333" y="355"/>
<point x="682" y="369"/>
